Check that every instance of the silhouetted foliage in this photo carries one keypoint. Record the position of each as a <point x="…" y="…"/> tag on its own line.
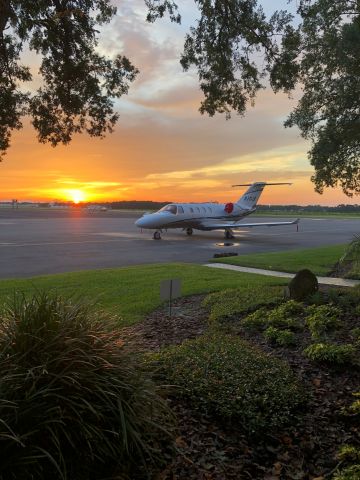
<point x="236" y="49"/>
<point x="319" y="50"/>
<point x="79" y="84"/>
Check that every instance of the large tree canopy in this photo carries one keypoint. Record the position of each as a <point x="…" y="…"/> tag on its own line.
<point x="79" y="85"/>
<point x="319" y="51"/>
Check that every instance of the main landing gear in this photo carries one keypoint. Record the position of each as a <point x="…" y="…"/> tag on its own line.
<point x="228" y="234"/>
<point x="189" y="231"/>
<point x="157" y="235"/>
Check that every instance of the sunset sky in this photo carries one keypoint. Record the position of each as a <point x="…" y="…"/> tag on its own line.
<point x="162" y="148"/>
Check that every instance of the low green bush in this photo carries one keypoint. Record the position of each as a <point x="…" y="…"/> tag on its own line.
<point x="317" y="298"/>
<point x="354" y="408"/>
<point x="349" y="453"/>
<point x="256" y="321"/>
<point x="287" y="315"/>
<point x="227" y="303"/>
<point x="224" y="376"/>
<point x="355" y="333"/>
<point x="322" y="319"/>
<point x="349" y="473"/>
<point x="291" y="308"/>
<point x="330" y="353"/>
<point x="283" y="338"/>
<point x="74" y="404"/>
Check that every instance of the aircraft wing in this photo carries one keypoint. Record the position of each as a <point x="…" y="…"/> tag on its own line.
<point x="233" y="226"/>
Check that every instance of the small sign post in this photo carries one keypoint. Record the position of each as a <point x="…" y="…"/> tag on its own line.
<point x="170" y="289"/>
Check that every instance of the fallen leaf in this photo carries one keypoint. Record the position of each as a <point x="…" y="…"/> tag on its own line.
<point x="277" y="467"/>
<point x="180" y="442"/>
<point x="316" y="382"/>
<point x="286" y="439"/>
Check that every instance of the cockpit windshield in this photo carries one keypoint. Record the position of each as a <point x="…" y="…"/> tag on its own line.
<point x="169" y="208"/>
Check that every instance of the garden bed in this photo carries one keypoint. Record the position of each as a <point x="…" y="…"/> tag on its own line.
<point x="213" y="449"/>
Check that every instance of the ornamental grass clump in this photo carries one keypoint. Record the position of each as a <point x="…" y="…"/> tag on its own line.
<point x="74" y="404"/>
<point x="350" y="261"/>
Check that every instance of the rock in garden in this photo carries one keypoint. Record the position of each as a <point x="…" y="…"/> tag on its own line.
<point x="302" y="285"/>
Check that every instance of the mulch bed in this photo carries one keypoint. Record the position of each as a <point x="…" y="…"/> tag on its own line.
<point x="210" y="450"/>
<point x="158" y="330"/>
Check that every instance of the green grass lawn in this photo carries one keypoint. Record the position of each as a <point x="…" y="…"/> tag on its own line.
<point x="319" y="260"/>
<point x="132" y="292"/>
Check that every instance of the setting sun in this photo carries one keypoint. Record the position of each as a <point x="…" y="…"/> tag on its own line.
<point x="76" y="196"/>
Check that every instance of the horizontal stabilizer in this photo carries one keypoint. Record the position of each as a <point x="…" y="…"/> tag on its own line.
<point x="262" y="183"/>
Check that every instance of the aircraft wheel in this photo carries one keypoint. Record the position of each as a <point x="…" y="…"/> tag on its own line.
<point x="189" y="231"/>
<point x="228" y="235"/>
<point x="157" y="235"/>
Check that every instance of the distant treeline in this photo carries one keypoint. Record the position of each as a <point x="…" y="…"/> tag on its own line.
<point x="150" y="205"/>
<point x="309" y="208"/>
<point x="123" y="205"/>
<point x="135" y="205"/>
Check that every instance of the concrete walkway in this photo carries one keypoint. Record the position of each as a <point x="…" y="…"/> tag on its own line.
<point x="340" y="282"/>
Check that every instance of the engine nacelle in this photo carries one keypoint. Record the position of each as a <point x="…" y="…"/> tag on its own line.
<point x="229" y="207"/>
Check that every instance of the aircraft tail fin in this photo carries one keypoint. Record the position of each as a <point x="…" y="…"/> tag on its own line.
<point x="250" y="198"/>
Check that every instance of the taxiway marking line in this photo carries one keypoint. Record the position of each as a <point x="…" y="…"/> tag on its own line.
<point x="55" y="243"/>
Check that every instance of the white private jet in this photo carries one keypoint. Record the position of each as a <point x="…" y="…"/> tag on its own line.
<point x="209" y="216"/>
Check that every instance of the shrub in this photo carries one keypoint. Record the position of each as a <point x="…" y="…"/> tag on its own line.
<point x="283" y="338"/>
<point x="349" y="453"/>
<point x="230" y="302"/>
<point x="349" y="473"/>
<point x="225" y="376"/>
<point x="355" y="333"/>
<point x="317" y="298"/>
<point x="322" y="319"/>
<point x="286" y="315"/>
<point x="329" y="353"/>
<point x="354" y="408"/>
<point x="73" y="402"/>
<point x="290" y="308"/>
<point x="255" y="321"/>
<point x="283" y="316"/>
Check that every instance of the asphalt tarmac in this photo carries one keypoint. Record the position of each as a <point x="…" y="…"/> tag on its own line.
<point x="36" y="242"/>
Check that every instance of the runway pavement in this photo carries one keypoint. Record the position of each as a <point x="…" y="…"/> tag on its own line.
<point x="35" y="242"/>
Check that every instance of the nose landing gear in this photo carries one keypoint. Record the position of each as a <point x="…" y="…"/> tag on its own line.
<point x="157" y="235"/>
<point x="189" y="231"/>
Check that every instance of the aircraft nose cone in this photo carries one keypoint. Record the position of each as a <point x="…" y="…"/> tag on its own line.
<point x="139" y="222"/>
<point x="148" y="221"/>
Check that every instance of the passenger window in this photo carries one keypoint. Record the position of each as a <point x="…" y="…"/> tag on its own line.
<point x="180" y="210"/>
